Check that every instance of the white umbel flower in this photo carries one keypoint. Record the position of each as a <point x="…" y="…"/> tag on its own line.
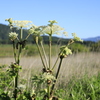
<point x="13" y="36"/>
<point x="36" y="30"/>
<point x="19" y="24"/>
<point x="54" y="29"/>
<point x="22" y="24"/>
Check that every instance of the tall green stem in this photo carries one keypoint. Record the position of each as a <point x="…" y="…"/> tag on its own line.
<point x="19" y="54"/>
<point x="48" y="91"/>
<point x="27" y="36"/>
<point x="50" y="51"/>
<point x="55" y="63"/>
<point x="20" y="48"/>
<point x="21" y="33"/>
<point x="14" y="50"/>
<point x="44" y="53"/>
<point x="40" y="52"/>
<point x="59" y="67"/>
<point x="57" y="58"/>
<point x="15" y="79"/>
<point x="58" y="70"/>
<point x="16" y="84"/>
<point x="18" y="62"/>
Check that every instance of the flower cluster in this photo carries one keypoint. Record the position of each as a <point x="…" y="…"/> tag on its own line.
<point x="51" y="28"/>
<point x="19" y="24"/>
<point x="76" y="38"/>
<point x="65" y="51"/>
<point x="13" y="36"/>
<point x="52" y="22"/>
<point x="22" y="24"/>
<point x="36" y="30"/>
<point x="10" y="21"/>
<point x="54" y="29"/>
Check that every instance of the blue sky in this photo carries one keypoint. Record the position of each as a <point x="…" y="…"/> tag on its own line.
<point x="79" y="16"/>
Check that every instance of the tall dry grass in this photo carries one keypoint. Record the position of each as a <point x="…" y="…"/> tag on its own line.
<point x="75" y="65"/>
<point x="79" y="65"/>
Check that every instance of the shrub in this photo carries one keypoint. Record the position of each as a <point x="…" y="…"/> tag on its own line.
<point x="77" y="47"/>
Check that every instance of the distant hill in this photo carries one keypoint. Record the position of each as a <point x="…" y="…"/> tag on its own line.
<point x="93" y="39"/>
<point x="4" y="33"/>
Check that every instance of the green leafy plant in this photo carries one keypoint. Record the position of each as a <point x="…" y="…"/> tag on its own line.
<point x="5" y="83"/>
<point x="18" y="44"/>
<point x="48" y="78"/>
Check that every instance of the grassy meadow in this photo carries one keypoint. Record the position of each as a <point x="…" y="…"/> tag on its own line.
<point x="30" y="50"/>
<point x="79" y="72"/>
<point x="74" y="65"/>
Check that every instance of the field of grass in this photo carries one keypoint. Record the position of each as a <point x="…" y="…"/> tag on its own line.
<point x="79" y="75"/>
<point x="76" y="64"/>
<point x="6" y="50"/>
<point x="29" y="50"/>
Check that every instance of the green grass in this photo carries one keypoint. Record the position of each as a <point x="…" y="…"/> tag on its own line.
<point x="83" y="88"/>
<point x="30" y="50"/>
<point x="6" y="51"/>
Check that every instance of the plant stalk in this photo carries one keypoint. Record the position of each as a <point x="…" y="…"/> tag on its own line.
<point x="40" y="52"/>
<point x="55" y="63"/>
<point x="48" y="90"/>
<point x="50" y="51"/>
<point x="21" y="33"/>
<point x="27" y="36"/>
<point x="58" y="70"/>
<point x="14" y="50"/>
<point x="18" y="62"/>
<point x="45" y="57"/>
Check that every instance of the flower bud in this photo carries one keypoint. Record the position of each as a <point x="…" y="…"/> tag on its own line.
<point x="48" y="77"/>
<point x="76" y="38"/>
<point x="65" y="51"/>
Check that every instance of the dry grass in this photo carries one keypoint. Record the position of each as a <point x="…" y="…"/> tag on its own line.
<point x="74" y="65"/>
<point x="80" y="65"/>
